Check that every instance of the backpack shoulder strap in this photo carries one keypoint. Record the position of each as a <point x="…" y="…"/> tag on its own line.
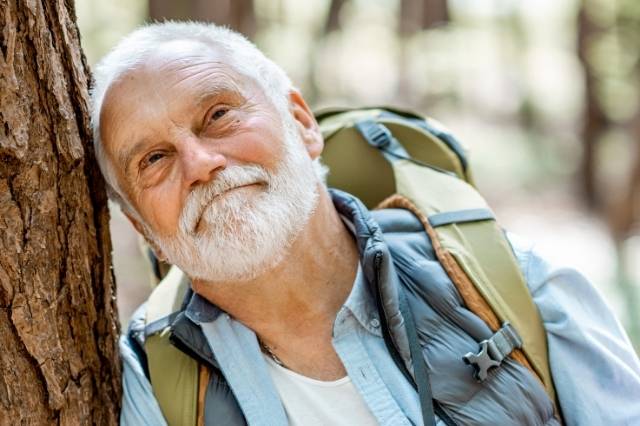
<point x="476" y="255"/>
<point x="173" y="374"/>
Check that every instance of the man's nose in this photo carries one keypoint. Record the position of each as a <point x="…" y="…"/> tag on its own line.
<point x="200" y="161"/>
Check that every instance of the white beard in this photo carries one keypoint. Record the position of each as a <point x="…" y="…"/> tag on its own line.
<point x="239" y="236"/>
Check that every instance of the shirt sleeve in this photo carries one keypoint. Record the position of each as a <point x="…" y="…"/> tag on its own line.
<point x="139" y="405"/>
<point x="595" y="369"/>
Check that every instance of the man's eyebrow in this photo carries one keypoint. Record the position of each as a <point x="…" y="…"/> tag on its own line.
<point x="217" y="90"/>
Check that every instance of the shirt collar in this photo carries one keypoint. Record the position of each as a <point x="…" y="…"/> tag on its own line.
<point x="360" y="301"/>
<point x="200" y="310"/>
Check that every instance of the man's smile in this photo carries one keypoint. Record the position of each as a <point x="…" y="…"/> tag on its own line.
<point x="220" y="196"/>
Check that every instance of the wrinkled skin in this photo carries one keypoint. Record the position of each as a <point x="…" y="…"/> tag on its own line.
<point x="170" y="125"/>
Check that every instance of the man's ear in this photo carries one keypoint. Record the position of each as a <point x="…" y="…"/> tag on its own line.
<point x="307" y="124"/>
<point x="136" y="224"/>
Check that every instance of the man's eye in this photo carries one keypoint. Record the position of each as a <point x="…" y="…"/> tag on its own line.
<point x="155" y="157"/>
<point x="152" y="158"/>
<point x="218" y="114"/>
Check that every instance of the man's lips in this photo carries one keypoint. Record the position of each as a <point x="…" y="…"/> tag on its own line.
<point x="217" y="197"/>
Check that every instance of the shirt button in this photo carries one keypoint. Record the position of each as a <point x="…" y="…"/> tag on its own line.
<point x="375" y="323"/>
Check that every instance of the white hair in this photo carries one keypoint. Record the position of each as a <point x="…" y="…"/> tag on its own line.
<point x="244" y="57"/>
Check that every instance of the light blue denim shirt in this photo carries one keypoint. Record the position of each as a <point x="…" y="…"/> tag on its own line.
<point x="596" y="372"/>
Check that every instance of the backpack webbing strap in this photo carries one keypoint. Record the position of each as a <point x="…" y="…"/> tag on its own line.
<point x="460" y="216"/>
<point x="420" y="372"/>
<point x="378" y="136"/>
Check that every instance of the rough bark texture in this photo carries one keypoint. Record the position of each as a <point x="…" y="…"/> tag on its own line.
<point x="58" y="325"/>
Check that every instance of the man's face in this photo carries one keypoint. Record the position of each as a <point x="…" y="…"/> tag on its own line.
<point x="222" y="182"/>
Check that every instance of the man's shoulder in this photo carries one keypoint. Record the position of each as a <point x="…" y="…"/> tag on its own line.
<point x="538" y="268"/>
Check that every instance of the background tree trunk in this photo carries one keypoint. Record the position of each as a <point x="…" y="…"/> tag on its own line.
<point x="595" y="121"/>
<point x="58" y="325"/>
<point x="236" y="14"/>
<point x="418" y="15"/>
<point x="333" y="16"/>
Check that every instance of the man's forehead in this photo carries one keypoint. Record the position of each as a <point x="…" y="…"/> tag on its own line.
<point x="174" y="55"/>
<point x="184" y="62"/>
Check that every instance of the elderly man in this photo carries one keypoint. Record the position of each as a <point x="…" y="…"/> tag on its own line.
<point x="214" y="157"/>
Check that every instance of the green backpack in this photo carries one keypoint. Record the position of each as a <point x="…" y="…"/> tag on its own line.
<point x="389" y="159"/>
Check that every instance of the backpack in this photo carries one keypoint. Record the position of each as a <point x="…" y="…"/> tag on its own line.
<point x="388" y="159"/>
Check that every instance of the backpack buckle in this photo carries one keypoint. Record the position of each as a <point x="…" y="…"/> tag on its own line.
<point x="375" y="133"/>
<point x="493" y="351"/>
<point x="481" y="361"/>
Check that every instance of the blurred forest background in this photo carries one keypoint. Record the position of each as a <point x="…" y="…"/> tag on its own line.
<point x="545" y="94"/>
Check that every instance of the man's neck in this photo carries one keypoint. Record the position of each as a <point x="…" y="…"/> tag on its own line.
<point x="302" y="294"/>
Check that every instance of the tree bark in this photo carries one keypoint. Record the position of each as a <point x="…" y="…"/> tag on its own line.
<point x="59" y="359"/>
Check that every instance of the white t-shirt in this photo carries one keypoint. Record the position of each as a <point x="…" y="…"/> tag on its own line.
<point x="311" y="402"/>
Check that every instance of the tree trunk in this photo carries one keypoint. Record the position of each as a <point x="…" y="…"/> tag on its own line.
<point x="417" y="15"/>
<point x="59" y="359"/>
<point x="595" y="121"/>
<point x="333" y="17"/>
<point x="239" y="15"/>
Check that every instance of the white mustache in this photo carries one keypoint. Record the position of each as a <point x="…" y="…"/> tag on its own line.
<point x="227" y="179"/>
